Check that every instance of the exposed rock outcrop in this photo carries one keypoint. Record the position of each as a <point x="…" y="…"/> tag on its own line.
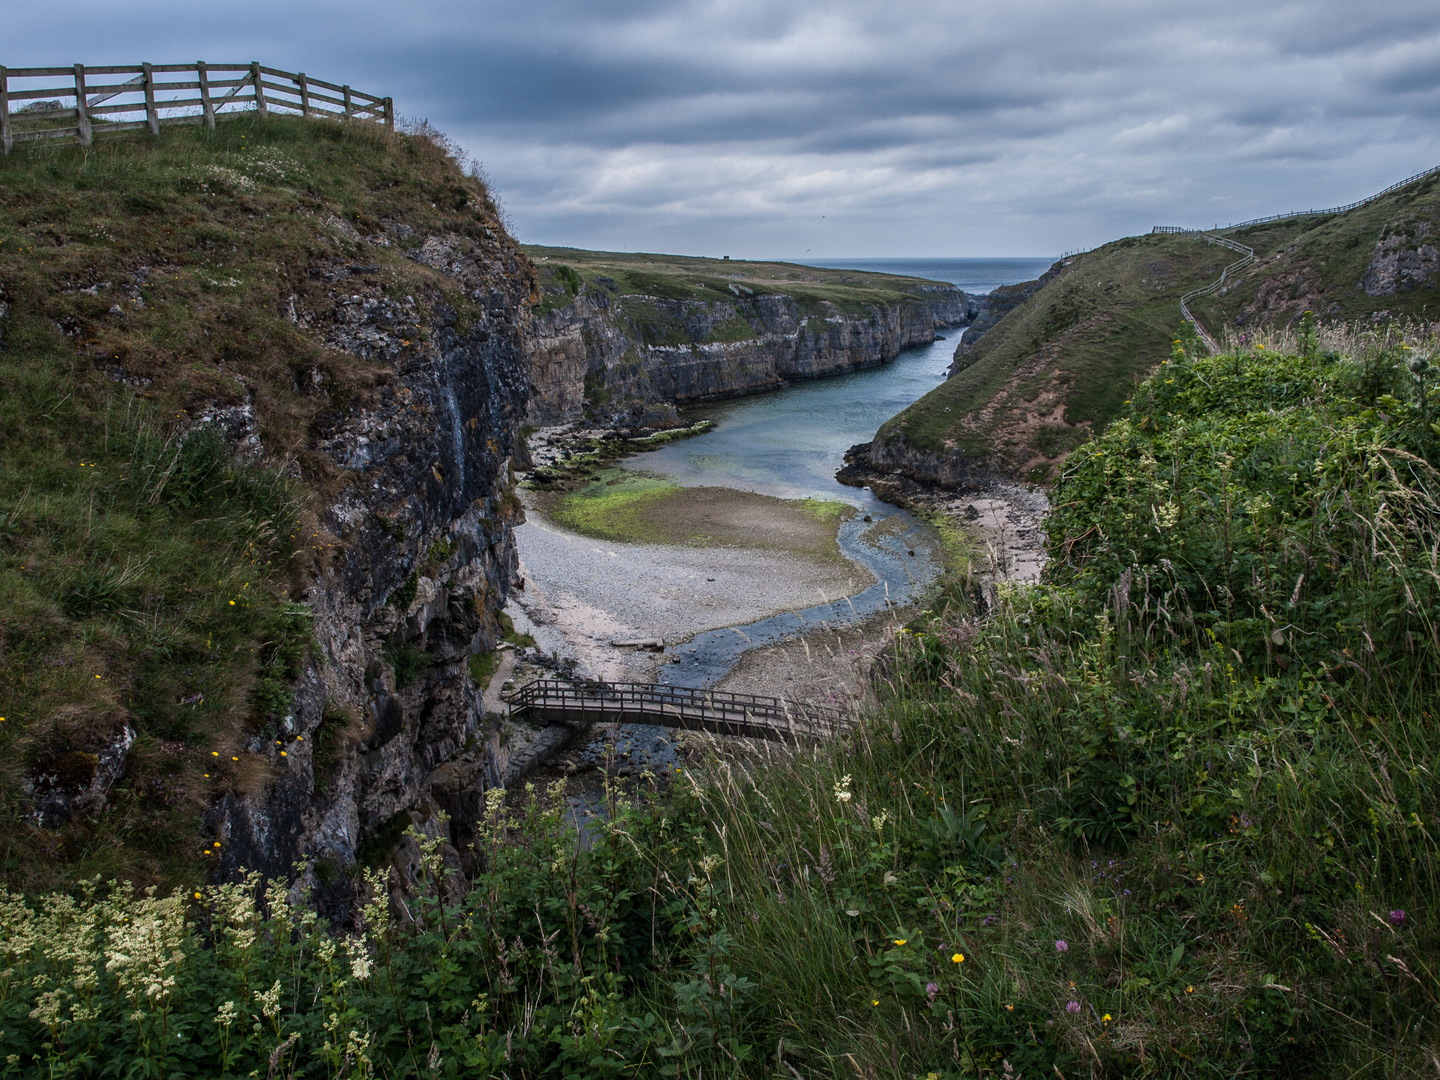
<point x="386" y="725"/>
<point x="630" y="359"/>
<point x="1404" y="258"/>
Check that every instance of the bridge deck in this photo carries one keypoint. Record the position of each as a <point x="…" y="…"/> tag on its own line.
<point x="551" y="701"/>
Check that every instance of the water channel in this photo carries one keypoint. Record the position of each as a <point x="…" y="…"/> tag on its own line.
<point x="790" y="444"/>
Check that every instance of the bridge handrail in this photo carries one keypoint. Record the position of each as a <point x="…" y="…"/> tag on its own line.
<point x="558" y="692"/>
<point x="84" y="117"/>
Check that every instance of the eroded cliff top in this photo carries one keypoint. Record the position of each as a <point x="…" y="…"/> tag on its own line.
<point x="563" y="271"/>
<point x="268" y="282"/>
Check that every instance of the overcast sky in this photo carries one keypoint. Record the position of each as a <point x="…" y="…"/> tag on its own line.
<point x="775" y="128"/>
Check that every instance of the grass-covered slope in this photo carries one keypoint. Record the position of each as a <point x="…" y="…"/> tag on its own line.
<point x="1171" y="813"/>
<point x="1059" y="367"/>
<point x="1378" y="263"/>
<point x="146" y="584"/>
<point x="1040" y="381"/>
<point x="633" y="277"/>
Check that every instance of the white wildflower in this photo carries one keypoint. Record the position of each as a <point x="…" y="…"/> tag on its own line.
<point x="270" y="1001"/>
<point x="225" y="1015"/>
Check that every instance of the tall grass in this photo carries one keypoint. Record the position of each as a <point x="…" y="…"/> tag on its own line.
<point x="148" y="582"/>
<point x="1170" y="813"/>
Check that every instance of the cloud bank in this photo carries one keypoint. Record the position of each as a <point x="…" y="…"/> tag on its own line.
<point x="759" y="128"/>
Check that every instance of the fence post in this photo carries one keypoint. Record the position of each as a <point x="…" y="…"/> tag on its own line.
<point x="304" y="95"/>
<point x="389" y="114"/>
<point x="5" y="140"/>
<point x="259" y="90"/>
<point x="205" y="104"/>
<point x="151" y="116"/>
<point x="348" y="109"/>
<point x="82" y="114"/>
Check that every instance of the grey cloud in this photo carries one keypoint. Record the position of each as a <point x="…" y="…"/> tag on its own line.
<point x="767" y="127"/>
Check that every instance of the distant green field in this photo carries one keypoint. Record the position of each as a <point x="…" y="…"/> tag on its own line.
<point x="1061" y="365"/>
<point x="682" y="277"/>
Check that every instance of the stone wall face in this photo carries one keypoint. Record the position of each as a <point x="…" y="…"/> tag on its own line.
<point x="421" y="524"/>
<point x="890" y="451"/>
<point x="596" y="351"/>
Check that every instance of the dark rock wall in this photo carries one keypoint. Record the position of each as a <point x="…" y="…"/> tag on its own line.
<point x="386" y="725"/>
<point x="994" y="307"/>
<point x="890" y="452"/>
<point x="597" y="350"/>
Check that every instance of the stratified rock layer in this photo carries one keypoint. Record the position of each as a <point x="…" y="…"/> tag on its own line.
<point x="422" y="557"/>
<point x="601" y="351"/>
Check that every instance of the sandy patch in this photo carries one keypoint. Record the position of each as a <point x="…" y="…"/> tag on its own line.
<point x="634" y="507"/>
<point x="830" y="668"/>
<point x="581" y="594"/>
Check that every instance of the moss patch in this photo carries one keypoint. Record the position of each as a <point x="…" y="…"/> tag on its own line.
<point x="634" y="508"/>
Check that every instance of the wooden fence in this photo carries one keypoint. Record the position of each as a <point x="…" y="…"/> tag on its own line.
<point x="91" y="102"/>
<point x="1304" y="213"/>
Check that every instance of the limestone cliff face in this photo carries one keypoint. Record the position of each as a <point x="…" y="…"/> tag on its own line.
<point x="629" y="357"/>
<point x="386" y="727"/>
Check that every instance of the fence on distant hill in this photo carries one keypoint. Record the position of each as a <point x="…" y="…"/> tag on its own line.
<point x="78" y="109"/>
<point x="1304" y="213"/>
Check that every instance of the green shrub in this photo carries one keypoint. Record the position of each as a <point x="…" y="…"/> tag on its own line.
<point x="408" y="660"/>
<point x="1104" y="831"/>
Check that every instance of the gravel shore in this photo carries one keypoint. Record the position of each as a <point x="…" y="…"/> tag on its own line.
<point x="583" y="594"/>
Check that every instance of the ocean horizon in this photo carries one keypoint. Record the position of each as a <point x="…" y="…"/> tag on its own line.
<point x="973" y="275"/>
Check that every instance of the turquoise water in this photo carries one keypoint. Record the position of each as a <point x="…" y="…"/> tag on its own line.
<point x="790" y="443"/>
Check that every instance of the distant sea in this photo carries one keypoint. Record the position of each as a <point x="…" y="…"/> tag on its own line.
<point x="971" y="275"/>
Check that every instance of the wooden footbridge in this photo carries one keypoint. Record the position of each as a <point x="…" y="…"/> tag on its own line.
<point x="552" y="701"/>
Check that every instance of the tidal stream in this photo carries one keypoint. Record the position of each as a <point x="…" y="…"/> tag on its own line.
<point x="790" y="444"/>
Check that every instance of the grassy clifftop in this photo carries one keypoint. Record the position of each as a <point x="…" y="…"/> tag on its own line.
<point x="680" y="277"/>
<point x="1060" y="366"/>
<point x="148" y="583"/>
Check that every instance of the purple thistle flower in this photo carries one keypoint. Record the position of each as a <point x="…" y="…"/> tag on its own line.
<point x="1072" y="1006"/>
<point x="931" y="989"/>
<point x="1060" y="946"/>
<point x="1397" y="917"/>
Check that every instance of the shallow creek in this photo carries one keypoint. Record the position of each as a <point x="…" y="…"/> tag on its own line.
<point x="788" y="444"/>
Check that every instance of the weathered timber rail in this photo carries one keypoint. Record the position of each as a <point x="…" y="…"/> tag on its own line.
<point x="1425" y="175"/>
<point x="92" y="102"/>
<point x="551" y="701"/>
<point x="1247" y="256"/>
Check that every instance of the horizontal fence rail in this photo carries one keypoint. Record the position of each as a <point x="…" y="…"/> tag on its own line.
<point x="1247" y="256"/>
<point x="745" y="715"/>
<point x="85" y="103"/>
